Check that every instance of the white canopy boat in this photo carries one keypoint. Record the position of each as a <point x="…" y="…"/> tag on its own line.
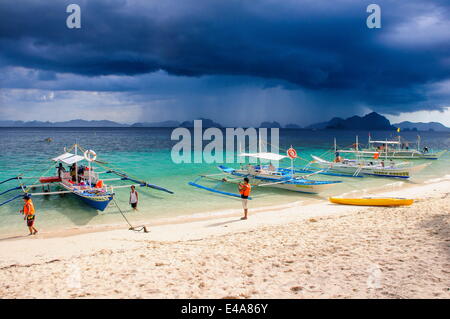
<point x="398" y="149"/>
<point x="369" y="167"/>
<point x="86" y="183"/>
<point x="265" y="176"/>
<point x="374" y="167"/>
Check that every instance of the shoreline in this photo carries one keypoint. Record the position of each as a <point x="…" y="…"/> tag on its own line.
<point x="314" y="251"/>
<point x="395" y="185"/>
<point x="266" y="215"/>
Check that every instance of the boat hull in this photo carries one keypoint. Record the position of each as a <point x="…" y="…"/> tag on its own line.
<point x="376" y="171"/>
<point x="406" y="155"/>
<point x="98" y="202"/>
<point x="282" y="182"/>
<point x="372" y="201"/>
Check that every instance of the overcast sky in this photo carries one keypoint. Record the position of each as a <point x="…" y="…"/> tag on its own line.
<point x="236" y="62"/>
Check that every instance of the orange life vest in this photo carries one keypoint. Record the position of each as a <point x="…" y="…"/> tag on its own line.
<point x="245" y="189"/>
<point x="99" y="184"/>
<point x="28" y="208"/>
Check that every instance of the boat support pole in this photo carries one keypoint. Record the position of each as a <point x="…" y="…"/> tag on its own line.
<point x="9" y="179"/>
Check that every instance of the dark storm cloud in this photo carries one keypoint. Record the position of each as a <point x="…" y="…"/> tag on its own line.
<point x="317" y="45"/>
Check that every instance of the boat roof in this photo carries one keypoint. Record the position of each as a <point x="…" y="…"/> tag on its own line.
<point x="264" y="155"/>
<point x="355" y="151"/>
<point x="68" y="158"/>
<point x="318" y="159"/>
<point x="386" y="142"/>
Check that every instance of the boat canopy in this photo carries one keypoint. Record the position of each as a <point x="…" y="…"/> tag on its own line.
<point x="355" y="151"/>
<point x="266" y="156"/>
<point x="68" y="158"/>
<point x="386" y="142"/>
<point x="318" y="159"/>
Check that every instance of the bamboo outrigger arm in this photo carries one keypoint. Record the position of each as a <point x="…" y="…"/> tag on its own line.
<point x="125" y="177"/>
<point x="215" y="190"/>
<point x="11" y="199"/>
<point x="10" y="190"/>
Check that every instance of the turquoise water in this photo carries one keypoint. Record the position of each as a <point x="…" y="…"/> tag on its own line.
<point x="145" y="153"/>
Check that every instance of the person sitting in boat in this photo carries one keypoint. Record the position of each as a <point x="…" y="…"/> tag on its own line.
<point x="382" y="163"/>
<point x="73" y="172"/>
<point x="272" y="168"/>
<point x="337" y="157"/>
<point x="80" y="173"/>
<point x="29" y="214"/>
<point x="425" y="149"/>
<point x="61" y="170"/>
<point x="244" y="190"/>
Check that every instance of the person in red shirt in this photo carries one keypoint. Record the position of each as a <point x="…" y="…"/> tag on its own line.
<point x="244" y="190"/>
<point x="29" y="214"/>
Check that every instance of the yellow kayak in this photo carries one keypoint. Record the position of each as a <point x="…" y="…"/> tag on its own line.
<point x="372" y="201"/>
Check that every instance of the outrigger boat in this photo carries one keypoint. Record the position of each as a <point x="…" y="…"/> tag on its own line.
<point x="85" y="182"/>
<point x="398" y="149"/>
<point x="381" y="168"/>
<point x="360" y="167"/>
<point x="264" y="176"/>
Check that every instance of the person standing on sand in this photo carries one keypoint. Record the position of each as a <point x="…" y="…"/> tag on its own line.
<point x="134" y="198"/>
<point x="244" y="190"/>
<point x="29" y="214"/>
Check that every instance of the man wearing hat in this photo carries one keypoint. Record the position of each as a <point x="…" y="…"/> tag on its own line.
<point x="29" y="216"/>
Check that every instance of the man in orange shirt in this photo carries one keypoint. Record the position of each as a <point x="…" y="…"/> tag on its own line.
<point x="29" y="214"/>
<point x="244" y="190"/>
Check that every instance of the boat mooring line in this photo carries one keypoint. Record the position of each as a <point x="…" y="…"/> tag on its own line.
<point x="133" y="228"/>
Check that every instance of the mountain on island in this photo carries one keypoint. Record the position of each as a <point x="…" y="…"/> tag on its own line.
<point x="371" y="121"/>
<point x="71" y="123"/>
<point x="105" y="123"/>
<point x="270" y="125"/>
<point x="157" y="124"/>
<point x="205" y="123"/>
<point x="420" y="126"/>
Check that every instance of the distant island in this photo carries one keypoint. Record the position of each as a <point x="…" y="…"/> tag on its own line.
<point x="270" y="125"/>
<point x="375" y="121"/>
<point x="372" y="121"/>
<point x="420" y="126"/>
<point x="71" y="123"/>
<point x="157" y="124"/>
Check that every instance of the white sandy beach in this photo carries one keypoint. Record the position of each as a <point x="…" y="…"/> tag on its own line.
<point x="313" y="251"/>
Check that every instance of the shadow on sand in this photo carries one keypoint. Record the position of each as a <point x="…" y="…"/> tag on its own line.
<point x="224" y="223"/>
